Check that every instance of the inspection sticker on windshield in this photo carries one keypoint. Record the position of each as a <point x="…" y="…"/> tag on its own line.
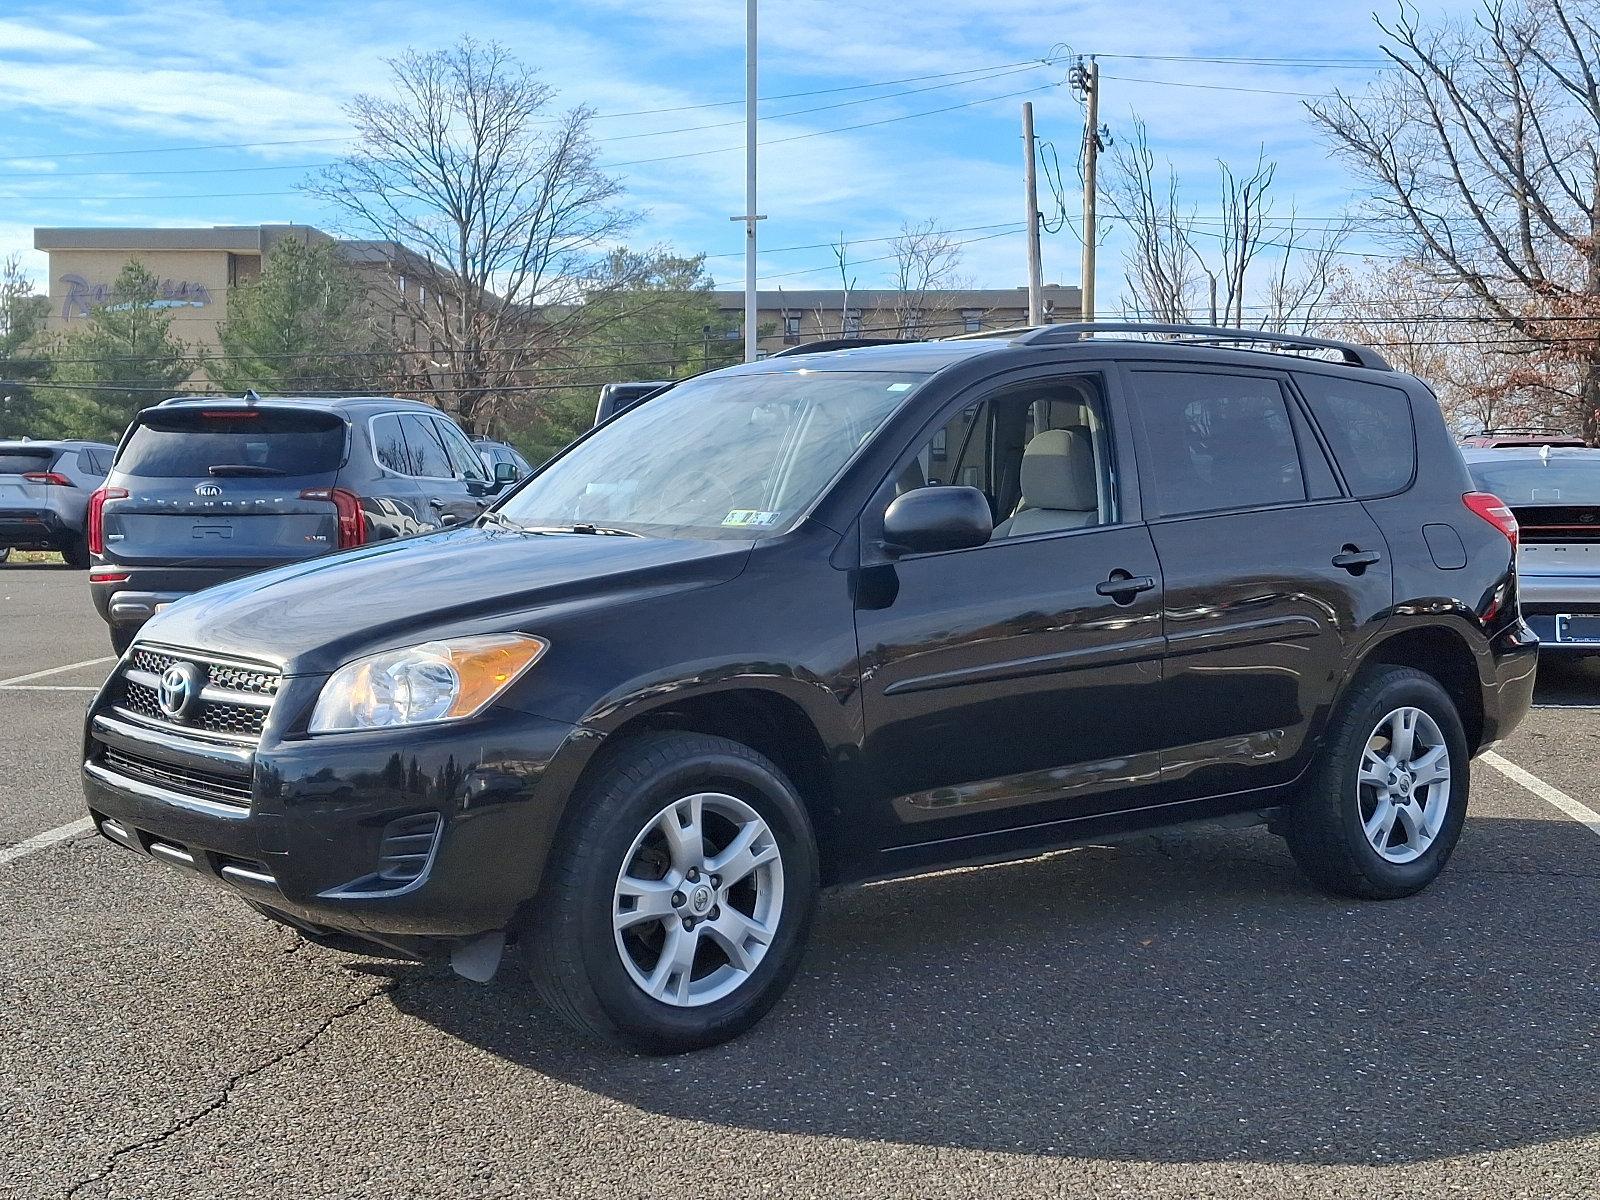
<point x="752" y="518"/>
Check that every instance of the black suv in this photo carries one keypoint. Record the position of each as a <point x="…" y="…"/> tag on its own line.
<point x="203" y="490"/>
<point x="835" y="617"/>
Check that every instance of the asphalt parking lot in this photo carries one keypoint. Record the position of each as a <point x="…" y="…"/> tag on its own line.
<point x="1172" y="1016"/>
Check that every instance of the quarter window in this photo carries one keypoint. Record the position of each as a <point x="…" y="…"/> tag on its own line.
<point x="1216" y="442"/>
<point x="389" y="444"/>
<point x="1369" y="429"/>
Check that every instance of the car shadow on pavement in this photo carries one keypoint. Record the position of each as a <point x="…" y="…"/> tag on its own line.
<point x="1178" y="998"/>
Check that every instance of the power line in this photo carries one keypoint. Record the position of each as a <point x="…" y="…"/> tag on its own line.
<point x="1260" y="61"/>
<point x="1218" y="87"/>
<point x="799" y="137"/>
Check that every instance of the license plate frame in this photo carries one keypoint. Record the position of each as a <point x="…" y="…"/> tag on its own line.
<point x="1581" y="629"/>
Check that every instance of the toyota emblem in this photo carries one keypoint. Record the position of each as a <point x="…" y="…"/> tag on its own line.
<point x="180" y="684"/>
<point x="207" y="489"/>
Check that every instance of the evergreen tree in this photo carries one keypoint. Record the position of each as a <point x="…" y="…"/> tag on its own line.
<point x="122" y="359"/>
<point x="302" y="327"/>
<point x="23" y="410"/>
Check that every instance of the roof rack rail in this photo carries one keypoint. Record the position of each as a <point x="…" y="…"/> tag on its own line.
<point x="1361" y="356"/>
<point x="839" y="343"/>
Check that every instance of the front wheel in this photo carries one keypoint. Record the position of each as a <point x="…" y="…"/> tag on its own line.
<point x="676" y="904"/>
<point x="1389" y="797"/>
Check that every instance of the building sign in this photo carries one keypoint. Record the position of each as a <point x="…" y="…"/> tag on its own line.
<point x="82" y="296"/>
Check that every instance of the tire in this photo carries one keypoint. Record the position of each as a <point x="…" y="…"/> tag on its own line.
<point x="1330" y="829"/>
<point x="121" y="638"/>
<point x="76" y="552"/>
<point x="595" y="975"/>
<point x="5" y="554"/>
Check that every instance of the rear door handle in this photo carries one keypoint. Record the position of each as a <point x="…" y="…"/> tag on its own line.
<point x="1123" y="587"/>
<point x="436" y="503"/>
<point x="1356" y="560"/>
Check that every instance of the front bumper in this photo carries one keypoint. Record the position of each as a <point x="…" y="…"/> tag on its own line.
<point x="476" y="802"/>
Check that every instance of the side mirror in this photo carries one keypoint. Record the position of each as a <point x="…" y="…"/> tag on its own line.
<point x="929" y="519"/>
<point x="505" y="473"/>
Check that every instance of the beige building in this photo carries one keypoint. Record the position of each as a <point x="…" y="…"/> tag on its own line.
<point x="789" y="318"/>
<point x="197" y="269"/>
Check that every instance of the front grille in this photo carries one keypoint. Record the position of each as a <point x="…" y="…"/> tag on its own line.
<point x="208" y="785"/>
<point x="233" y="705"/>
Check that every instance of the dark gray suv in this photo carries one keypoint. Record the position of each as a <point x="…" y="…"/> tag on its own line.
<point x="205" y="489"/>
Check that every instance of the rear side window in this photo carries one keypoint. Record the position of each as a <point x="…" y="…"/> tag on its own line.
<point x="19" y="462"/>
<point x="428" y="458"/>
<point x="1369" y="430"/>
<point x="186" y="443"/>
<point x="1216" y="442"/>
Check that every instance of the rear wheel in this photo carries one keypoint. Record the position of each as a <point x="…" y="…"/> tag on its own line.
<point x="76" y="551"/>
<point x="1389" y="797"/>
<point x="122" y="638"/>
<point x="676" y="905"/>
<point x="5" y="554"/>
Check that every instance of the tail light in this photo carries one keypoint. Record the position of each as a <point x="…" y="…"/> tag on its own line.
<point x="352" y="522"/>
<point x="1493" y="510"/>
<point x="97" y="516"/>
<point x="53" y="478"/>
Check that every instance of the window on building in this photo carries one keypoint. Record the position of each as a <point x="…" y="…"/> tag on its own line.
<point x="791" y="328"/>
<point x="852" y="322"/>
<point x="972" y="320"/>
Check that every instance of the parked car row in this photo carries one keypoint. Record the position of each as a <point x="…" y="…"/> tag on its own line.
<point x="809" y="621"/>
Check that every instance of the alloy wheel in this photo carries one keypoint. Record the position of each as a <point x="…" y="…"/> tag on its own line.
<point x="698" y="899"/>
<point x="1403" y="788"/>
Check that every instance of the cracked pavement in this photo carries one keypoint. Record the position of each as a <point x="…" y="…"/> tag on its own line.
<point x="1179" y="1017"/>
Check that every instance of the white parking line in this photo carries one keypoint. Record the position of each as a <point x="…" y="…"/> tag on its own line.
<point x="88" y="662"/>
<point x="1579" y="812"/>
<point x="43" y="841"/>
<point x="48" y="687"/>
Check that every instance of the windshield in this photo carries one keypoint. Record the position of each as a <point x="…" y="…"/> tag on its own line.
<point x="1530" y="481"/>
<point x="725" y="456"/>
<point x="184" y="443"/>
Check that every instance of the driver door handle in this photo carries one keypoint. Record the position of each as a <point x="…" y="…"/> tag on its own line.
<point x="1356" y="560"/>
<point x="1123" y="587"/>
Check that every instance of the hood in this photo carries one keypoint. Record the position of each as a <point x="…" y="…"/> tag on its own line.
<point x="312" y="616"/>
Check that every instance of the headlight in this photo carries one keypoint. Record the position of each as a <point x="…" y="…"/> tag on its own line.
<point x="419" y="685"/>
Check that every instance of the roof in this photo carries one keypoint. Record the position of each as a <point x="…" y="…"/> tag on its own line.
<point x="1125" y="340"/>
<point x="1530" y="453"/>
<point x="11" y="444"/>
<point x="324" y="402"/>
<point x="1062" y="295"/>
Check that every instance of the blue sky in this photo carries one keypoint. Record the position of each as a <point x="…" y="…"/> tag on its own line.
<point x="138" y="78"/>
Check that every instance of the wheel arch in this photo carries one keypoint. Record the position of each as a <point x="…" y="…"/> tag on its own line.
<point x="767" y="720"/>
<point x="1446" y="655"/>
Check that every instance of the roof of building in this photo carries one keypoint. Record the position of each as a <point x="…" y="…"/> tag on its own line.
<point x="1063" y="295"/>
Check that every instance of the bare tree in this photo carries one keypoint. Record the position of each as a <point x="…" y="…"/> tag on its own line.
<point x="927" y="262"/>
<point x="1180" y="267"/>
<point x="1483" y="148"/>
<point x="497" y="196"/>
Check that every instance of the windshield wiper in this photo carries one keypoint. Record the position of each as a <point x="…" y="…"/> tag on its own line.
<point x="493" y="516"/>
<point x="582" y="527"/>
<point x="243" y="469"/>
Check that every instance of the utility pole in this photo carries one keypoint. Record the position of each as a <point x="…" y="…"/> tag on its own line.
<point x="1086" y="77"/>
<point x="750" y="215"/>
<point x="1031" y="185"/>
